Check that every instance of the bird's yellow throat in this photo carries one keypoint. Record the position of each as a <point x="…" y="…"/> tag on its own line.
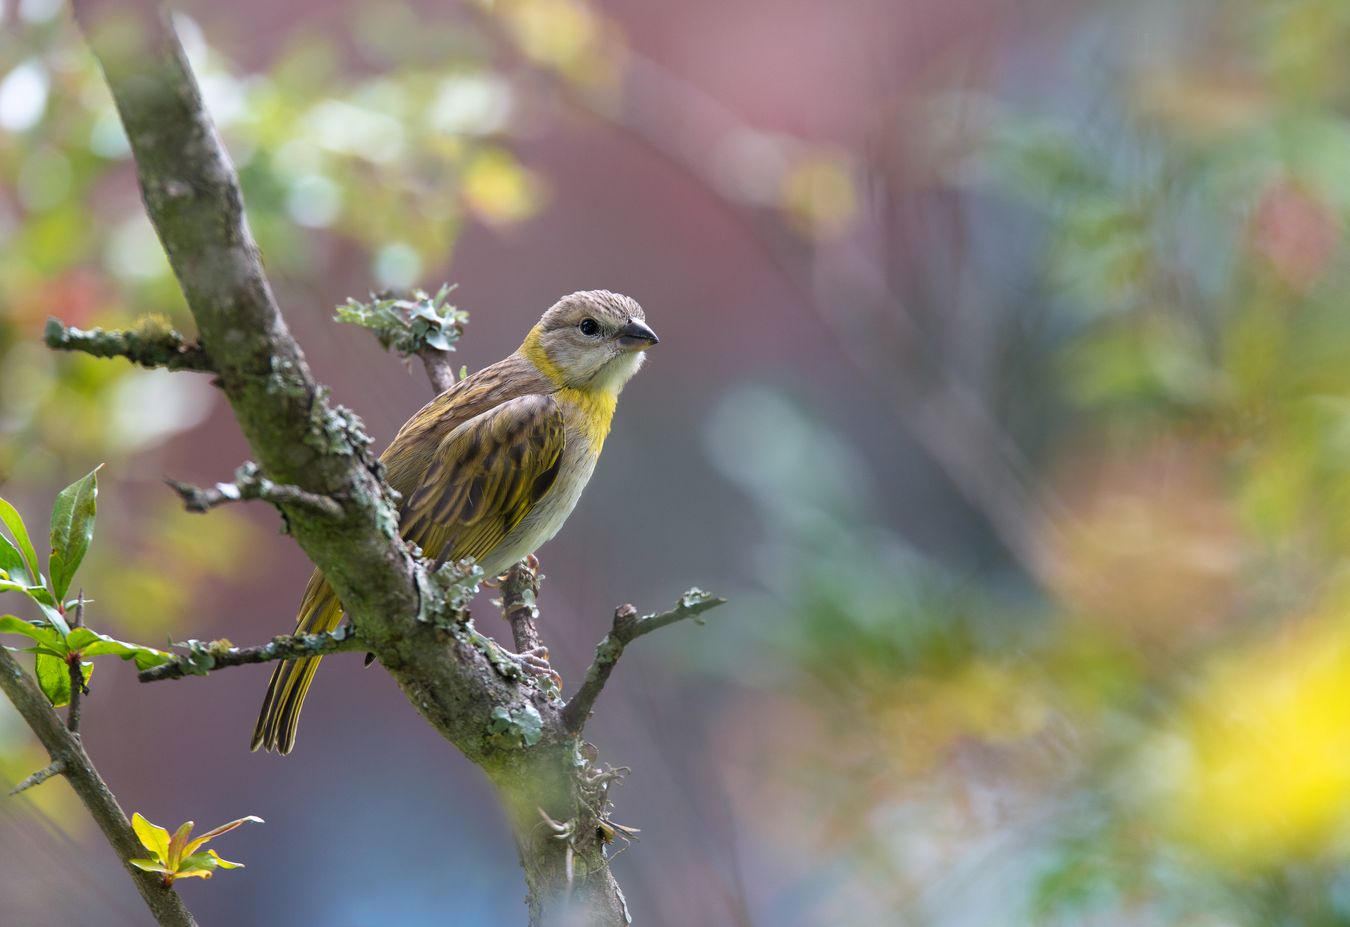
<point x="596" y="404"/>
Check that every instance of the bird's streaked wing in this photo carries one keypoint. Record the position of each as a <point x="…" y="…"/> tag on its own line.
<point x="485" y="478"/>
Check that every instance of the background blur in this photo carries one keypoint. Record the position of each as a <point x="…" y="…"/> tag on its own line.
<point x="1003" y="387"/>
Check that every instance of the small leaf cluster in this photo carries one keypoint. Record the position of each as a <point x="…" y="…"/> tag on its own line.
<point x="180" y="856"/>
<point x="408" y="323"/>
<point x="56" y="645"/>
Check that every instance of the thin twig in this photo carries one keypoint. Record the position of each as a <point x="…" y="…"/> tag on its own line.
<point x="440" y="371"/>
<point x="65" y="749"/>
<point x="206" y="657"/>
<point x="149" y="345"/>
<point x="76" y="665"/>
<point x="249" y="483"/>
<point x="628" y="627"/>
<point x="520" y="604"/>
<point x="54" y="768"/>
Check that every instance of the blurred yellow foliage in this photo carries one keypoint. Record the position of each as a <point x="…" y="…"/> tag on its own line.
<point x="565" y="35"/>
<point x="1264" y="770"/>
<point x="818" y="194"/>
<point x="498" y="189"/>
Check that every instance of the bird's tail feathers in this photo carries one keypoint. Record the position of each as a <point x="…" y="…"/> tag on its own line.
<point x="320" y="611"/>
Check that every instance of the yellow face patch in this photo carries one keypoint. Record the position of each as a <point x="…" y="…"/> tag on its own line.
<point x="533" y="349"/>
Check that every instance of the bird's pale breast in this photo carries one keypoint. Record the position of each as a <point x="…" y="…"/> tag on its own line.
<point x="580" y="453"/>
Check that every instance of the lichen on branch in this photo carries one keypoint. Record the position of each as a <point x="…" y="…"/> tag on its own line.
<point x="151" y="342"/>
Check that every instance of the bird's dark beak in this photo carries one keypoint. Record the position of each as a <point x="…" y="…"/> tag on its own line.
<point x="636" y="336"/>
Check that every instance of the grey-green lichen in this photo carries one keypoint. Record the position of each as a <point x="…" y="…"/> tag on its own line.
<point x="408" y="323"/>
<point x="515" y="728"/>
<point x="151" y="342"/>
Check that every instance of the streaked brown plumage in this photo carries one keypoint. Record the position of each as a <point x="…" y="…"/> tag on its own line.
<point x="491" y="467"/>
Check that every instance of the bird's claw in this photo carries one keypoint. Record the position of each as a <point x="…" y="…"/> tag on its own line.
<point x="535" y="662"/>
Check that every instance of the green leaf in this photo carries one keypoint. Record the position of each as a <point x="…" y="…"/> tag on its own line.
<point x="43" y="598"/>
<point x="93" y="644"/>
<point x="150" y="865"/>
<point x="11" y="563"/>
<point x="178" y="842"/>
<point x="14" y="523"/>
<point x="209" y="860"/>
<point x="53" y="676"/>
<point x="42" y="634"/>
<point x="72" y="529"/>
<point x="153" y="837"/>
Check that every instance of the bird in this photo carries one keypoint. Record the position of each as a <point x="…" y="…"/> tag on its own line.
<point x="492" y="467"/>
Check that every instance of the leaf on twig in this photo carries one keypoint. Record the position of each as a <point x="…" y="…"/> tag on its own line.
<point x="72" y="530"/>
<point x="177" y="856"/>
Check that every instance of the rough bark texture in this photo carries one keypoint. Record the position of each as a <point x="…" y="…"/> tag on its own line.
<point x="470" y="690"/>
<point x="66" y="751"/>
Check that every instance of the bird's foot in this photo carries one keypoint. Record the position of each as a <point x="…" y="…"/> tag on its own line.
<point x="535" y="662"/>
<point x="495" y="582"/>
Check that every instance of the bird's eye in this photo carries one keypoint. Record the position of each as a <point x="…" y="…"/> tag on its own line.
<point x="589" y="326"/>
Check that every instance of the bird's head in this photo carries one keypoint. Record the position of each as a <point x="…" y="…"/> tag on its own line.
<point x="593" y="340"/>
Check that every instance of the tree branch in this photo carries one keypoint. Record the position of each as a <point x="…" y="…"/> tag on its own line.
<point x="209" y="656"/>
<point x="70" y="760"/>
<point x="76" y="667"/>
<point x="520" y="604"/>
<point x="628" y="628"/>
<point x="440" y="371"/>
<point x="249" y="483"/>
<point x="54" y="768"/>
<point x="411" y="617"/>
<point x="151" y="344"/>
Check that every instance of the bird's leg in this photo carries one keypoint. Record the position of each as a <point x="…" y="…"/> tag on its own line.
<point x="520" y="592"/>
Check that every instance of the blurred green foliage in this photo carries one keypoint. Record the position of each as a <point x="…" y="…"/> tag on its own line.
<point x="1158" y="734"/>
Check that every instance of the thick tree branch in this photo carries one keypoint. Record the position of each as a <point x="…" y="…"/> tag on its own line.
<point x="70" y="760"/>
<point x="209" y="656"/>
<point x="628" y="627"/>
<point x="410" y="617"/>
<point x="249" y="483"/>
<point x="151" y="344"/>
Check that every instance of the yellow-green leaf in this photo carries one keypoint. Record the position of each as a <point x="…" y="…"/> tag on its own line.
<point x="149" y="865"/>
<point x="153" y="837"/>
<point x="177" y="842"/>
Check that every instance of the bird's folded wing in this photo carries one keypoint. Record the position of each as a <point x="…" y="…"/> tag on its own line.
<point x="485" y="478"/>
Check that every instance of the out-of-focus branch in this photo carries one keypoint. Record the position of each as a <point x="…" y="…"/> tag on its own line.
<point x="627" y="628"/>
<point x="152" y="344"/>
<point x="209" y="656"/>
<point x="249" y="483"/>
<point x="70" y="760"/>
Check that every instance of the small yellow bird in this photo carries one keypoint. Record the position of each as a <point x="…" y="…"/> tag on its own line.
<point x="492" y="467"/>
